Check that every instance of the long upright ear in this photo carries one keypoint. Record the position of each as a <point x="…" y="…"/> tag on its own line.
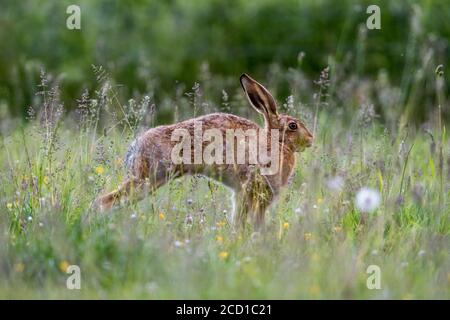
<point x="260" y="99"/>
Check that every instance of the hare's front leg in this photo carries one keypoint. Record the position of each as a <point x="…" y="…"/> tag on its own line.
<point x="254" y="198"/>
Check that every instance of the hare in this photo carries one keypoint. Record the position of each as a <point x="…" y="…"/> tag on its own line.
<point x="150" y="162"/>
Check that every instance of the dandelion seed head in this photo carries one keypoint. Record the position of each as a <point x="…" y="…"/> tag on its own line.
<point x="335" y="183"/>
<point x="367" y="200"/>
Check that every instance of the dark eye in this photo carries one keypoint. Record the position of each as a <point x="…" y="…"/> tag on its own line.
<point x="292" y="126"/>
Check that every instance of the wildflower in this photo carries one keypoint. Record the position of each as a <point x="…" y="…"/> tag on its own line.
<point x="299" y="212"/>
<point x="286" y="225"/>
<point x="408" y="296"/>
<point x="221" y="223"/>
<point x="46" y="180"/>
<point x="223" y="255"/>
<point x="30" y="218"/>
<point x="178" y="243"/>
<point x="367" y="200"/>
<point x="315" y="257"/>
<point x="63" y="265"/>
<point x="133" y="216"/>
<point x="219" y="239"/>
<point x="19" y="267"/>
<point x="314" y="290"/>
<point x="189" y="201"/>
<point x="335" y="183"/>
<point x="162" y="216"/>
<point x="9" y="205"/>
<point x="308" y="236"/>
<point x="319" y="200"/>
<point x="99" y="170"/>
<point x="314" y="206"/>
<point x="421" y="253"/>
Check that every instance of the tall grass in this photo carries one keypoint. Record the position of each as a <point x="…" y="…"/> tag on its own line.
<point x="178" y="242"/>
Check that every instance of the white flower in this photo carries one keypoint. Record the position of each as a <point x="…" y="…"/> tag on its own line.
<point x="299" y="212"/>
<point x="178" y="244"/>
<point x="367" y="200"/>
<point x="335" y="183"/>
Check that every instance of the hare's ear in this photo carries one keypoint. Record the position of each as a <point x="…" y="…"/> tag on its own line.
<point x="260" y="99"/>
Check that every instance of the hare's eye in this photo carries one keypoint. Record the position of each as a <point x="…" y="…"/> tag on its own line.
<point x="292" y="126"/>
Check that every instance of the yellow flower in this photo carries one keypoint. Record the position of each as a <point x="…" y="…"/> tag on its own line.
<point x="9" y="205"/>
<point x="337" y="229"/>
<point x="63" y="265"/>
<point x="308" y="236"/>
<point x="314" y="290"/>
<point x="286" y="225"/>
<point x="408" y="296"/>
<point x="319" y="200"/>
<point x="220" y="223"/>
<point x="46" y="180"/>
<point x="223" y="255"/>
<point x="162" y="216"/>
<point x="219" y="239"/>
<point x="99" y="170"/>
<point x="19" y="267"/>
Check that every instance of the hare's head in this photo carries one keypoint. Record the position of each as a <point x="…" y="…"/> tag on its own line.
<point x="293" y="133"/>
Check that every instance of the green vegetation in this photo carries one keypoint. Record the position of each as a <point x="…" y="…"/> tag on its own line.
<point x="148" y="47"/>
<point x="378" y="99"/>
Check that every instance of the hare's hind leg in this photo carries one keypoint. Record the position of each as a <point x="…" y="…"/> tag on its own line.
<point x="129" y="187"/>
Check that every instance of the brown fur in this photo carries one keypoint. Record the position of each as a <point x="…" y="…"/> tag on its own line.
<point x="150" y="164"/>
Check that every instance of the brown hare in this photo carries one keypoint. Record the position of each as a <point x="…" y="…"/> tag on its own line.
<point x="151" y="163"/>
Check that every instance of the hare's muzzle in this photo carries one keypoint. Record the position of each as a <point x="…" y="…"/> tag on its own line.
<point x="309" y="141"/>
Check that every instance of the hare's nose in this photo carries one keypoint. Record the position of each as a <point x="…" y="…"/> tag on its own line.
<point x="309" y="140"/>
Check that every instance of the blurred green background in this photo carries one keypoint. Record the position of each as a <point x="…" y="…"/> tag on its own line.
<point x="155" y="48"/>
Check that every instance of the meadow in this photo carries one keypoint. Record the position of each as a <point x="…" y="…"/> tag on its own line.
<point x="179" y="244"/>
<point x="377" y="102"/>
